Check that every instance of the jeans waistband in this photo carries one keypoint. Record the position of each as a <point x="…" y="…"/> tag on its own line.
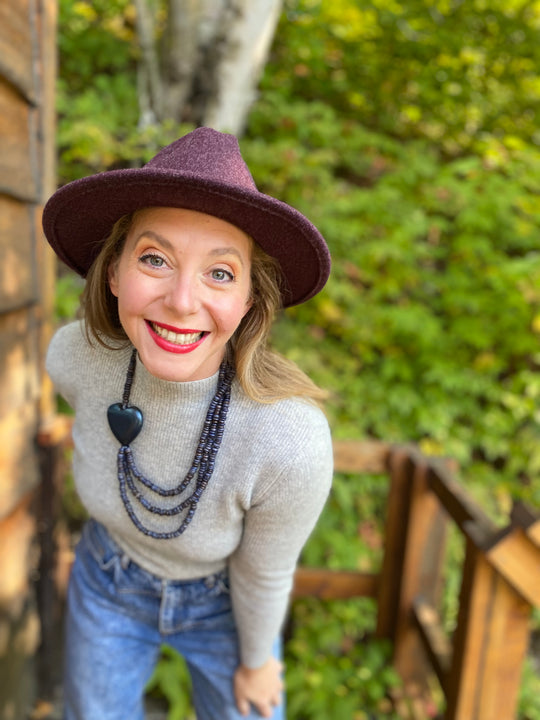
<point x="101" y="544"/>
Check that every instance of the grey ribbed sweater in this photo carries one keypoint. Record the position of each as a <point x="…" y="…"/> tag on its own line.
<point x="272" y="476"/>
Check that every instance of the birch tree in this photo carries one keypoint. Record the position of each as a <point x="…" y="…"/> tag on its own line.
<point x="204" y="64"/>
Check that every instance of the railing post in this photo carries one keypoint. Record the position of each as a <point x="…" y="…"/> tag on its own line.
<point x="400" y="469"/>
<point x="415" y="541"/>
<point x="489" y="645"/>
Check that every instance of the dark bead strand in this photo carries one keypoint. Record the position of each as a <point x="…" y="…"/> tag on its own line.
<point x="129" y="379"/>
<point x="202" y="466"/>
<point x="132" y="469"/>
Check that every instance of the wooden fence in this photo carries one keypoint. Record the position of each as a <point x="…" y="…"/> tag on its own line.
<point x="479" y="669"/>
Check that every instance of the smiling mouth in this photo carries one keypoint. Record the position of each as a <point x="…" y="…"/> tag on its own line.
<point x="177" y="338"/>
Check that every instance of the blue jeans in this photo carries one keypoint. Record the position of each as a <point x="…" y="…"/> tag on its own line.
<point x="118" y="617"/>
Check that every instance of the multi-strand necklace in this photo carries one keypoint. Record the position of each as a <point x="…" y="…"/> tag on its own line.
<point x="126" y="423"/>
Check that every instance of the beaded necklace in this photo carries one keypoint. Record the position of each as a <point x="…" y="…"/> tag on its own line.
<point x="126" y="423"/>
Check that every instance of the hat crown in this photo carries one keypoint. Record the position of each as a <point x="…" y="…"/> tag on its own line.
<point x="208" y="154"/>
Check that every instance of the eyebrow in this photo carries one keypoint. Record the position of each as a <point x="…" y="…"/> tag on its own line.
<point x="227" y="251"/>
<point x="167" y="244"/>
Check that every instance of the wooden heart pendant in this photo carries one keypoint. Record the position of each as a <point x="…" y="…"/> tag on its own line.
<point x="125" y="422"/>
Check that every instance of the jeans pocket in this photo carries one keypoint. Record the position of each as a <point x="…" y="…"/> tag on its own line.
<point x="110" y="573"/>
<point x="98" y="558"/>
<point x="97" y="543"/>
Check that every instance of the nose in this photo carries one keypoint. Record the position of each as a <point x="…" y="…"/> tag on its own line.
<point x="182" y="294"/>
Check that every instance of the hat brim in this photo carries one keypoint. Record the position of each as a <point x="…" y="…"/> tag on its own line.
<point x="79" y="217"/>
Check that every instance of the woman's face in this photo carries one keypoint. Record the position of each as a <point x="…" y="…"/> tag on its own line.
<point x="183" y="286"/>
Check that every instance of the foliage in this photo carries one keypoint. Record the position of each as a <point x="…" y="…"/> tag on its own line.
<point x="348" y="535"/>
<point x="171" y="680"/>
<point x="97" y="96"/>
<point x="429" y="319"/>
<point x="335" y="668"/>
<point x="461" y="74"/>
<point x="529" y="700"/>
<point x="333" y="671"/>
<point x="407" y="130"/>
<point x="98" y="109"/>
<point x="68" y="291"/>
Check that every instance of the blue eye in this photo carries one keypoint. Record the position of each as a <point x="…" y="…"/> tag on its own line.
<point x="222" y="275"/>
<point x="155" y="261"/>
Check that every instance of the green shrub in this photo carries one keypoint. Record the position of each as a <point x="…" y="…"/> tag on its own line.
<point x="171" y="681"/>
<point x="334" y="669"/>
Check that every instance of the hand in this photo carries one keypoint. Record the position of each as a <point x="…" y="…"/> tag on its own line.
<point x="261" y="687"/>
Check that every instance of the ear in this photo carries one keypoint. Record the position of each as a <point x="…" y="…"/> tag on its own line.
<point x="249" y="305"/>
<point x="112" y="277"/>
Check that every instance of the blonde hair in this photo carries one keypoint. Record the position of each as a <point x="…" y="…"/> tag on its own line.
<point x="265" y="375"/>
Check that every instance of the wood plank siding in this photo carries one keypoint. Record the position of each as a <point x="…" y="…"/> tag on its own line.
<point x="27" y="75"/>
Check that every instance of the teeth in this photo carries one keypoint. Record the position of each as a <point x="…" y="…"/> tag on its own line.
<point x="177" y="338"/>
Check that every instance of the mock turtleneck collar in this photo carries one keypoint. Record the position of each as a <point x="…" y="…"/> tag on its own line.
<point x="146" y="385"/>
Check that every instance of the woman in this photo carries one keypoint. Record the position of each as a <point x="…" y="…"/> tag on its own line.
<point x="201" y="456"/>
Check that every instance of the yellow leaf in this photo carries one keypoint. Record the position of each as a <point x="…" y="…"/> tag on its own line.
<point x="536" y="324"/>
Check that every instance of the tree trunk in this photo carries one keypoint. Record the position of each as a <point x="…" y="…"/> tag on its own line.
<point x="150" y="90"/>
<point x="212" y="55"/>
<point x="180" y="54"/>
<point x="244" y="53"/>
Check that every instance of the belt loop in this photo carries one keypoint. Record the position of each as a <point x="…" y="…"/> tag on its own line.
<point x="124" y="561"/>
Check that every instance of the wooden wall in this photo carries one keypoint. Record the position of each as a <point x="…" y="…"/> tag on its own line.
<point x="27" y="74"/>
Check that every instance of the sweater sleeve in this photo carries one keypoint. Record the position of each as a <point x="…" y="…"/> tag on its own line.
<point x="65" y="355"/>
<point x="276" y="527"/>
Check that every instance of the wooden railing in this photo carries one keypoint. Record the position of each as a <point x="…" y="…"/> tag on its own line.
<point x="479" y="668"/>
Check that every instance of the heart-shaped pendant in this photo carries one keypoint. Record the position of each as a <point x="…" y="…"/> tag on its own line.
<point x="125" y="422"/>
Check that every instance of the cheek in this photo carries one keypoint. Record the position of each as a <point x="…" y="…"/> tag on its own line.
<point x="131" y="289"/>
<point x="230" y="315"/>
<point x="131" y="301"/>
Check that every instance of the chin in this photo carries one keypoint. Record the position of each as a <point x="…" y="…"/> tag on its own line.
<point x="175" y="369"/>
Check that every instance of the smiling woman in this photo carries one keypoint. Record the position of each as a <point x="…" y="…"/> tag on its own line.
<point x="196" y="542"/>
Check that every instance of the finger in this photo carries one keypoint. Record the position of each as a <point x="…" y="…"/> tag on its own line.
<point x="243" y="707"/>
<point x="265" y="710"/>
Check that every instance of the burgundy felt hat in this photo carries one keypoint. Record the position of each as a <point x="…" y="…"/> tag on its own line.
<point x="201" y="171"/>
